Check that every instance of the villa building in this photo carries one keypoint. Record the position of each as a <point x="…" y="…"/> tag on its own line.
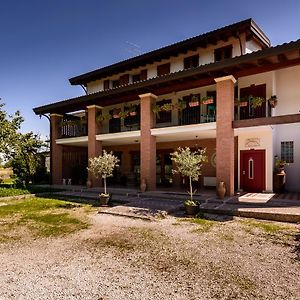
<point x="227" y="90"/>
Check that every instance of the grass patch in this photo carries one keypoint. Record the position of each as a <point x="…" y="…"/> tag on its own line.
<point x="267" y="227"/>
<point x="204" y="224"/>
<point x="227" y="237"/>
<point x="38" y="217"/>
<point x="130" y="239"/>
<point x="8" y="191"/>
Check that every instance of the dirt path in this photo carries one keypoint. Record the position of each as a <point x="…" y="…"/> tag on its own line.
<point x="121" y="258"/>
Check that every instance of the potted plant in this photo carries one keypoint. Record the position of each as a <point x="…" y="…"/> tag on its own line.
<point x="207" y="100"/>
<point x="243" y="102"/>
<point x="189" y="164"/>
<point x="116" y="113"/>
<point x="156" y="109"/>
<point x="102" y="167"/>
<point x="99" y="117"/>
<point x="166" y="107"/>
<point x="191" y="207"/>
<point x="194" y="101"/>
<point x="123" y="114"/>
<point x="181" y="105"/>
<point x="256" y="101"/>
<point x="131" y="110"/>
<point x="280" y="165"/>
<point x="273" y="101"/>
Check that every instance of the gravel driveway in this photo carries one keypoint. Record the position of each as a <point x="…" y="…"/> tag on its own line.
<point x="122" y="258"/>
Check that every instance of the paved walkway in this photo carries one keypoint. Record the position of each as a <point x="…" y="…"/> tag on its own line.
<point x="278" y="207"/>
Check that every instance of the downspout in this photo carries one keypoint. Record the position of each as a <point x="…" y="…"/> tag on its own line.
<point x="46" y="116"/>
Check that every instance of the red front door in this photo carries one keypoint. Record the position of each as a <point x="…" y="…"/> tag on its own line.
<point x="253" y="170"/>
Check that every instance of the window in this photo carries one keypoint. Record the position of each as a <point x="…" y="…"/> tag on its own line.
<point x="106" y="85"/>
<point x="223" y="53"/>
<point x="136" y="77"/>
<point x="163" y="69"/>
<point x="287" y="151"/>
<point x="191" y="62"/>
<point x="116" y="83"/>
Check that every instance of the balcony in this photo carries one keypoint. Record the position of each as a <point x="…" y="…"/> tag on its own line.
<point x="245" y="110"/>
<point x="73" y="126"/>
<point x="187" y="116"/>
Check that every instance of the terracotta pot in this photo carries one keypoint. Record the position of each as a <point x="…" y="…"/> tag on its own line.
<point x="132" y="113"/>
<point x="143" y="185"/>
<point x="104" y="200"/>
<point x="194" y="103"/>
<point x="243" y="104"/>
<point x="273" y="103"/>
<point x="89" y="183"/>
<point x="221" y="190"/>
<point x="191" y="210"/>
<point x="208" y="101"/>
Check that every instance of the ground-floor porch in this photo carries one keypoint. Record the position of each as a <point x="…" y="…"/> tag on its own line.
<point x="254" y="155"/>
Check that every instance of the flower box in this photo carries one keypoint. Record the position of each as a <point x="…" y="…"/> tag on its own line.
<point x="208" y="101"/>
<point x="243" y="103"/>
<point x="193" y="103"/>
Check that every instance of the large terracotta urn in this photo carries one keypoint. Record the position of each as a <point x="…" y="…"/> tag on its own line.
<point x="221" y="190"/>
<point x="143" y="185"/>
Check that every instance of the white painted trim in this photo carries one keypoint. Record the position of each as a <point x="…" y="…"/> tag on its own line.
<point x="94" y="106"/>
<point x="118" y="135"/>
<point x="229" y="77"/>
<point x="71" y="140"/>
<point x="183" y="129"/>
<point x="148" y="95"/>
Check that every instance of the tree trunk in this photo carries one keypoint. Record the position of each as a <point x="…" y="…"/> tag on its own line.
<point x="104" y="179"/>
<point x="191" y="188"/>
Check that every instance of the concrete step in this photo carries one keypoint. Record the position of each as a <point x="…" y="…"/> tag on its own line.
<point x="282" y="214"/>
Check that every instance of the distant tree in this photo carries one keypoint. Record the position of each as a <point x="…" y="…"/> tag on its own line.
<point x="9" y="126"/>
<point x="19" y="149"/>
<point x="24" y="158"/>
<point x="189" y="164"/>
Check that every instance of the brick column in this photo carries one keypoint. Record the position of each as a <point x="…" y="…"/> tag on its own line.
<point x="56" y="150"/>
<point x="148" y="142"/>
<point x="126" y="163"/>
<point x="225" y="132"/>
<point x="94" y="146"/>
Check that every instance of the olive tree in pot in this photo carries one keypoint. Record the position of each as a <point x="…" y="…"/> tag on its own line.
<point x="102" y="167"/>
<point x="189" y="164"/>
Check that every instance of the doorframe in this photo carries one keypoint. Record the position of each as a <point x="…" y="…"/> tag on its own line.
<point x="242" y="165"/>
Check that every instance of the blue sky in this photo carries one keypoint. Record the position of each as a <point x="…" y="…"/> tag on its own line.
<point x="45" y="42"/>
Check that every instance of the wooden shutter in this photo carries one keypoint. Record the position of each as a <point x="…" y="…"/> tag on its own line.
<point x="144" y="74"/>
<point x="124" y="79"/>
<point x="163" y="69"/>
<point x="106" y="84"/>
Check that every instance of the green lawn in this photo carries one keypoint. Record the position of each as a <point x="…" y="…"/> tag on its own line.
<point x="6" y="190"/>
<point x="40" y="217"/>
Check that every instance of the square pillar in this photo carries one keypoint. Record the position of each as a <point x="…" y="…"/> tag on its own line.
<point x="56" y="150"/>
<point x="94" y="146"/>
<point x="148" y="142"/>
<point x="225" y="132"/>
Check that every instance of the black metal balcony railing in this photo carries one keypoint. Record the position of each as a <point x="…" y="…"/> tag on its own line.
<point x="73" y="129"/>
<point x="186" y="117"/>
<point x="248" y="112"/>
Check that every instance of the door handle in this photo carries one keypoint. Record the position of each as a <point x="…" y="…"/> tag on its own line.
<point x="244" y="172"/>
